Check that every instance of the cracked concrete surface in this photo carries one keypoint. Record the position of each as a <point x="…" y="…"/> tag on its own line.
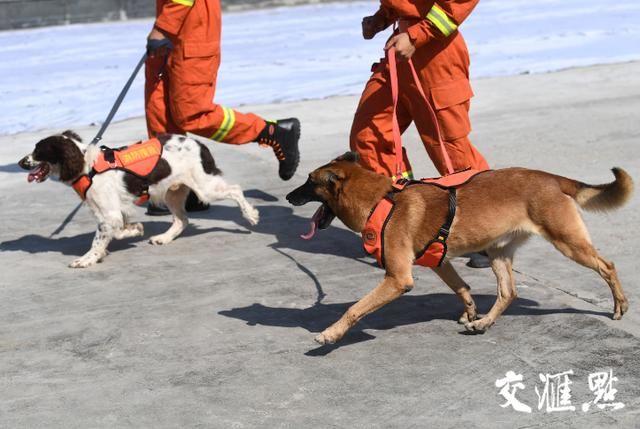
<point x="215" y="330"/>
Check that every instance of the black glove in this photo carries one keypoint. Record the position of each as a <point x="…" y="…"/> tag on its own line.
<point x="158" y="46"/>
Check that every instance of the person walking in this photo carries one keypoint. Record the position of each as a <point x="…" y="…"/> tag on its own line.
<point x="425" y="31"/>
<point x="180" y="84"/>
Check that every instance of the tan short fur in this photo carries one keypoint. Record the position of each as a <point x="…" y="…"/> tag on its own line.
<point x="496" y="212"/>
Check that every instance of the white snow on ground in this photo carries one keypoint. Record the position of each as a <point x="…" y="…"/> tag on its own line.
<point x="65" y="76"/>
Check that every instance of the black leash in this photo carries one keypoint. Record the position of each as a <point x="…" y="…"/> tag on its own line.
<point x="102" y="129"/>
<point x="119" y="100"/>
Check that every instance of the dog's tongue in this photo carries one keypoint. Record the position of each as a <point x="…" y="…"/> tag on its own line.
<point x="34" y="174"/>
<point x="38" y="173"/>
<point x="313" y="224"/>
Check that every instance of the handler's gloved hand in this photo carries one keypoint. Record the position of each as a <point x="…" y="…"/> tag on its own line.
<point x="157" y="43"/>
<point x="158" y="46"/>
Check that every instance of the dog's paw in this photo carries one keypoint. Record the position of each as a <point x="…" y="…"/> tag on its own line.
<point x="130" y="230"/>
<point x="324" y="338"/>
<point x="479" y="326"/>
<point x="619" y="309"/>
<point x="83" y="262"/>
<point x="138" y="229"/>
<point x="160" y="239"/>
<point x="465" y="318"/>
<point x="253" y="216"/>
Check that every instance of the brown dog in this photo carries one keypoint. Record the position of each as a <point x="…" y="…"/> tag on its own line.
<point x="496" y="212"/>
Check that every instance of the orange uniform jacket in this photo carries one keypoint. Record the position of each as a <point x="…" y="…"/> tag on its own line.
<point x="180" y="88"/>
<point x="442" y="62"/>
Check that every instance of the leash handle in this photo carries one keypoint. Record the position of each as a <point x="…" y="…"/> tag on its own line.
<point x="393" y="72"/>
<point x="119" y="100"/>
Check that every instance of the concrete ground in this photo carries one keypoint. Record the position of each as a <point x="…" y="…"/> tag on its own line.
<point x="216" y="329"/>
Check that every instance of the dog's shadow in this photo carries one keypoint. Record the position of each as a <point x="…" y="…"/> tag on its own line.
<point x="285" y="226"/>
<point x="276" y="220"/>
<point x="406" y="310"/>
<point x="79" y="244"/>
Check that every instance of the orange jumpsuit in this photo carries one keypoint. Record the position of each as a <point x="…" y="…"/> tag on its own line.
<point x="180" y="87"/>
<point x="441" y="60"/>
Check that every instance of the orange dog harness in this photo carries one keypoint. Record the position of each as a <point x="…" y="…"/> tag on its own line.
<point x="139" y="159"/>
<point x="435" y="250"/>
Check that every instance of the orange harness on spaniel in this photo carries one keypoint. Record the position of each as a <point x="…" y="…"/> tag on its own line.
<point x="139" y="159"/>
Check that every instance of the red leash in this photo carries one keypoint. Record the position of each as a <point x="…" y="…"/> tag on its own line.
<point x="393" y="72"/>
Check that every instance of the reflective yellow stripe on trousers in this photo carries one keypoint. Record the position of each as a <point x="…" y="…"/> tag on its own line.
<point x="227" y="123"/>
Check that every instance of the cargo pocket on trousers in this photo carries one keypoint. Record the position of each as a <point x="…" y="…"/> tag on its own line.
<point x="200" y="63"/>
<point x="451" y="102"/>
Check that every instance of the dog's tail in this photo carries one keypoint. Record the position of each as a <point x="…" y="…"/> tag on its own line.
<point x="603" y="197"/>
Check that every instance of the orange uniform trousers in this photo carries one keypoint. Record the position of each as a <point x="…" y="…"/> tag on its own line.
<point x="443" y="70"/>
<point x="180" y="87"/>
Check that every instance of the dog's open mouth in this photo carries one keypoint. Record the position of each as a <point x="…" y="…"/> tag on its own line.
<point x="321" y="220"/>
<point x="40" y="173"/>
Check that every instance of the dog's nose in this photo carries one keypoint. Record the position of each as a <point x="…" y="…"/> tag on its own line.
<point x="24" y="163"/>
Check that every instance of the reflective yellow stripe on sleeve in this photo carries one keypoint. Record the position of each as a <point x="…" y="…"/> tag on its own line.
<point x="188" y="3"/>
<point x="441" y="20"/>
<point x="227" y="124"/>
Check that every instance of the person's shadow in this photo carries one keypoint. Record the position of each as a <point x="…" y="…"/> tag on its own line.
<point x="406" y="310"/>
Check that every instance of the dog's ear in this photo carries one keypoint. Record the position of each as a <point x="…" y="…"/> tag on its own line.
<point x="71" y="160"/>
<point x="72" y="135"/>
<point x="333" y="178"/>
<point x="349" y="156"/>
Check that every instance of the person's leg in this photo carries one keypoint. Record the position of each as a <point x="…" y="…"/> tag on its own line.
<point x="156" y="98"/>
<point x="444" y="76"/>
<point x="192" y="85"/>
<point x="454" y="124"/>
<point x="156" y="107"/>
<point x="371" y="132"/>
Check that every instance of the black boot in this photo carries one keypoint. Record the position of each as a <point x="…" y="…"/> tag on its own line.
<point x="283" y="136"/>
<point x="478" y="260"/>
<point x="193" y="204"/>
<point x="157" y="210"/>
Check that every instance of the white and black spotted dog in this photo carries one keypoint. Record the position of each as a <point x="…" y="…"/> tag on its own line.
<point x="185" y="165"/>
